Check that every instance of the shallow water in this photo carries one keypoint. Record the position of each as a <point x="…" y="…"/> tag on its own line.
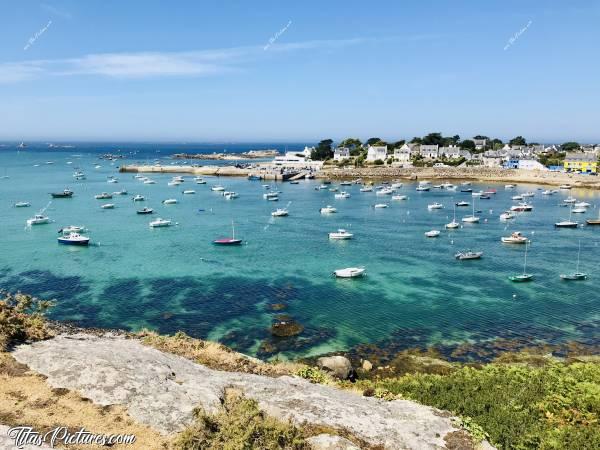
<point x="176" y="279"/>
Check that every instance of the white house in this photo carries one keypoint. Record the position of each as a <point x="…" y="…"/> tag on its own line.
<point x="402" y="154"/>
<point x="306" y="152"/>
<point x="341" y="153"/>
<point x="429" y="151"/>
<point x="376" y="152"/>
<point x="480" y="143"/>
<point x="531" y="164"/>
<point x="450" y="152"/>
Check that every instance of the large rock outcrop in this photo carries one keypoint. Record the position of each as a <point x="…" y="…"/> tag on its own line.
<point x="161" y="390"/>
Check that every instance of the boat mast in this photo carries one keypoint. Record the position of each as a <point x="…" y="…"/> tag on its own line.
<point x="578" y="253"/>
<point x="232" y="230"/>
<point x="525" y="264"/>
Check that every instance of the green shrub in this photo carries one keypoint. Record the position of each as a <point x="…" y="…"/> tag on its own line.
<point x="313" y="374"/>
<point x="21" y="319"/>
<point x="241" y="425"/>
<point x="378" y="162"/>
<point x="556" y="406"/>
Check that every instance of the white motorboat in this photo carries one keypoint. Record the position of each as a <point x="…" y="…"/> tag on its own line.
<point x="468" y="255"/>
<point x="217" y="188"/>
<point x="72" y="229"/>
<point x="112" y="180"/>
<point x="138" y="198"/>
<point x="340" y="234"/>
<point x="384" y="191"/>
<point x="422" y="188"/>
<point x="108" y="206"/>
<point x="38" y="219"/>
<point x="582" y="205"/>
<point x="435" y="205"/>
<point x="160" y="223"/>
<point x="380" y="205"/>
<point x="517" y="197"/>
<point x="507" y="215"/>
<point x="74" y="239"/>
<point x="173" y="183"/>
<point x="396" y="185"/>
<point x="328" y="210"/>
<point x="149" y="181"/>
<point x="280" y="212"/>
<point x="342" y="194"/>
<point x="462" y="203"/>
<point x="579" y="210"/>
<point x="570" y="200"/>
<point x="399" y="197"/>
<point x="432" y="233"/>
<point x="350" y="272"/>
<point x="333" y="189"/>
<point x="509" y="186"/>
<point x="477" y="194"/>
<point x="22" y="205"/>
<point x="521" y="207"/>
<point x="528" y="194"/>
<point x="178" y="179"/>
<point x="103" y="196"/>
<point x="366" y="189"/>
<point x="231" y="195"/>
<point x="565" y="187"/>
<point x="270" y="195"/>
<point x="170" y="201"/>
<point x="515" y="238"/>
<point x="547" y="192"/>
<point x="200" y="180"/>
<point x="121" y="192"/>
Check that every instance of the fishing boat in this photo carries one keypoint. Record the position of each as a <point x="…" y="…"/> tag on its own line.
<point x="22" y="205"/>
<point x="158" y="223"/>
<point x="67" y="193"/>
<point x="435" y="205"/>
<point x="280" y="212"/>
<point x="340" y="234"/>
<point x="350" y="272"/>
<point x="472" y="218"/>
<point x="399" y="197"/>
<point x="108" y="206"/>
<point x="463" y="203"/>
<point x="103" y="196"/>
<point x="342" y="194"/>
<point x="138" y="198"/>
<point x="507" y="215"/>
<point x="380" y="205"/>
<point x="38" y="219"/>
<point x="74" y="239"/>
<point x="229" y="241"/>
<point x="515" y="238"/>
<point x="468" y="255"/>
<point x="577" y="275"/>
<point x="524" y="276"/>
<point x="432" y="233"/>
<point x="169" y="201"/>
<point x="217" y="188"/>
<point x="79" y="175"/>
<point x="145" y="211"/>
<point x="328" y="210"/>
<point x="567" y="223"/>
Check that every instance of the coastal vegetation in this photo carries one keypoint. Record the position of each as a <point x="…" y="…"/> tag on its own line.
<point x="21" y="319"/>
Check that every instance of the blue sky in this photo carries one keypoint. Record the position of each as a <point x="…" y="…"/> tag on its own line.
<point x="207" y="71"/>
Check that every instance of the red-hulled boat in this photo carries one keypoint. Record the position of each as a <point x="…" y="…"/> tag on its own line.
<point x="228" y="241"/>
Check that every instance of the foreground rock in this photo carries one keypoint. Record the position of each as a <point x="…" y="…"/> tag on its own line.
<point x="161" y="390"/>
<point x="339" y="366"/>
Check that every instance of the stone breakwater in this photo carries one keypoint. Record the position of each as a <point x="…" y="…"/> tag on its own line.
<point x="197" y="170"/>
<point x="463" y="173"/>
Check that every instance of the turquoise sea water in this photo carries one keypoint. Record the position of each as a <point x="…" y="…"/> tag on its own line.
<point x="176" y="279"/>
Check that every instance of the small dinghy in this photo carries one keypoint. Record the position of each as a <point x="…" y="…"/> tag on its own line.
<point x="350" y="272"/>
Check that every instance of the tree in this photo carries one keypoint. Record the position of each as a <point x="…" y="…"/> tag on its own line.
<point x="351" y="143"/>
<point x="323" y="151"/>
<point x="569" y="146"/>
<point x="433" y="139"/>
<point x="399" y="143"/>
<point x="447" y="141"/>
<point x="373" y="140"/>
<point x="519" y="140"/>
<point x="467" y="144"/>
<point x="479" y="136"/>
<point x="416" y="140"/>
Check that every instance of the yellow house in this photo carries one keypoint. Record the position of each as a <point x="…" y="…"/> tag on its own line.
<point x="581" y="162"/>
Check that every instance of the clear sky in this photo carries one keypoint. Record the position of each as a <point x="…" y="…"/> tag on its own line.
<point x="298" y="71"/>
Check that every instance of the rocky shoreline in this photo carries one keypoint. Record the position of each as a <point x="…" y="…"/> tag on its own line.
<point x="253" y="154"/>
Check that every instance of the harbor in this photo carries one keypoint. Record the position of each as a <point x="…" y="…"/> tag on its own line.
<point x="394" y="277"/>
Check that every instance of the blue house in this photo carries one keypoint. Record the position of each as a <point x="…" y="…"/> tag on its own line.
<point x="512" y="163"/>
